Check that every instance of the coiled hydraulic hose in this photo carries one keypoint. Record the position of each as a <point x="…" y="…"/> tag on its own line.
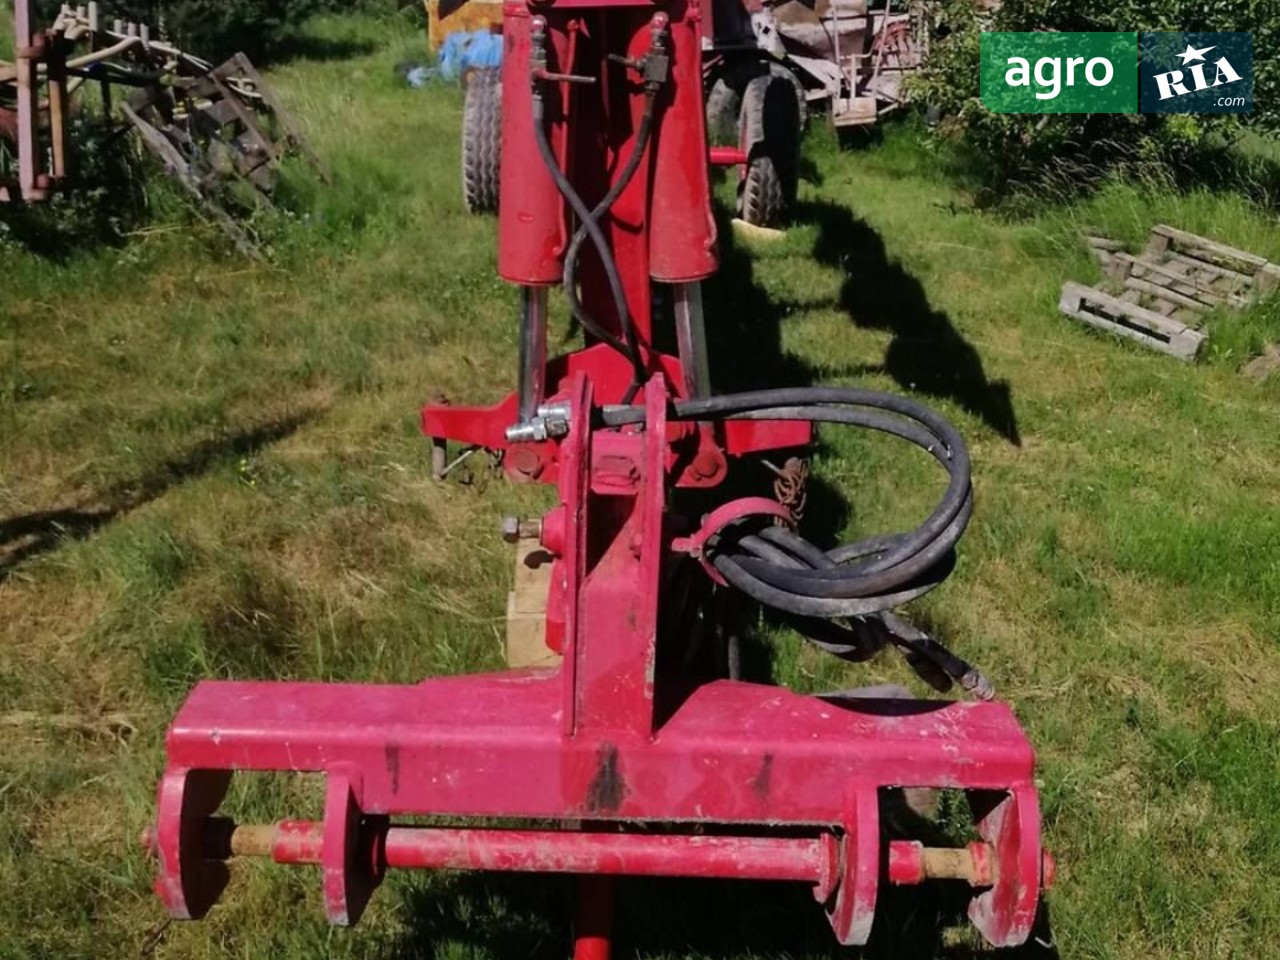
<point x="781" y="569"/>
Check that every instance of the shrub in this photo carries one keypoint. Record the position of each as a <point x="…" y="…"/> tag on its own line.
<point x="215" y="29"/>
<point x="108" y="201"/>
<point x="1009" y="152"/>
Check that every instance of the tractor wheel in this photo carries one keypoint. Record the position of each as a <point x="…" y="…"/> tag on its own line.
<point x="724" y="98"/>
<point x="769" y="133"/>
<point x="724" y="103"/>
<point x="482" y="140"/>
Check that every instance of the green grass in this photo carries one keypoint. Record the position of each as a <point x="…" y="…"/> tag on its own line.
<point x="229" y="451"/>
<point x="6" y="37"/>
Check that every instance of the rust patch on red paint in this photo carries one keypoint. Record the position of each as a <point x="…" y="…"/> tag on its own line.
<point x="391" y="753"/>
<point x="607" y="788"/>
<point x="761" y="782"/>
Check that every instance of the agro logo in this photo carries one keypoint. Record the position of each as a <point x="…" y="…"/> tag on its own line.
<point x="1052" y="72"/>
<point x="1197" y="72"/>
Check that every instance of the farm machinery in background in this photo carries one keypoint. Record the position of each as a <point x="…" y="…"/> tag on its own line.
<point x="767" y="67"/>
<point x="846" y="59"/>
<point x="220" y="131"/>
<point x="637" y="747"/>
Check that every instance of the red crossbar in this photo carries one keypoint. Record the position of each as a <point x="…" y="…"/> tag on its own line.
<point x="803" y="859"/>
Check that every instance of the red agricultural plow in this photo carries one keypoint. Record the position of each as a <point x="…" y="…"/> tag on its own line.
<point x="635" y="753"/>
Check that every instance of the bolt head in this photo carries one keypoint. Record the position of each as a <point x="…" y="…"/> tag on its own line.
<point x="524" y="462"/>
<point x="510" y="528"/>
<point x="706" y="465"/>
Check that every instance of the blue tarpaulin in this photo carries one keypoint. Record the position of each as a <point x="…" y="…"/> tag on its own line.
<point x="464" y="50"/>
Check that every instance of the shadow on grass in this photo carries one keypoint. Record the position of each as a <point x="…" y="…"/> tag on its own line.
<point x="744" y="325"/>
<point x="521" y="917"/>
<point x="299" y="45"/>
<point x="927" y="353"/>
<point x="29" y="535"/>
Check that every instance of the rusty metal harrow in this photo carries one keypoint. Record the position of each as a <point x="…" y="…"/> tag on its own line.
<point x="215" y="129"/>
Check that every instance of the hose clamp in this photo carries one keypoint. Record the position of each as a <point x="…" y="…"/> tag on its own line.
<point x="716" y="521"/>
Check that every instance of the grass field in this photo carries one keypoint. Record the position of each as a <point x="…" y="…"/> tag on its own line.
<point x="211" y="468"/>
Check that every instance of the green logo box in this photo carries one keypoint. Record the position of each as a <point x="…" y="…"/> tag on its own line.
<point x="1060" y="72"/>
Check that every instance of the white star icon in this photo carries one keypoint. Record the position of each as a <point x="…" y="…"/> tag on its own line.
<point x="1191" y="53"/>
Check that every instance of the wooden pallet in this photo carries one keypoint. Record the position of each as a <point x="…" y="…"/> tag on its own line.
<point x="1160" y="298"/>
<point x="1130" y="320"/>
<point x="1182" y="285"/>
<point x="1225" y="271"/>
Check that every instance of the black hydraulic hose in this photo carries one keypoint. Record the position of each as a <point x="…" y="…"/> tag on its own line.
<point x="598" y="239"/>
<point x="836" y="582"/>
<point x="803" y="605"/>
<point x="782" y="570"/>
<point x="579" y="208"/>
<point x="934" y="662"/>
<point x="580" y="235"/>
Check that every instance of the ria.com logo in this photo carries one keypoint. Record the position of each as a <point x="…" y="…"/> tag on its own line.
<point x="1197" y="72"/>
<point x="1117" y="72"/>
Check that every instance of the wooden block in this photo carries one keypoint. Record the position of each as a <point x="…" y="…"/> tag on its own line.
<point x="1163" y="275"/>
<point x="1157" y="244"/>
<point x="220" y="112"/>
<point x="1267" y="280"/>
<point x="853" y="111"/>
<point x="1103" y="243"/>
<point x="1128" y="320"/>
<point x="750" y="231"/>
<point x="527" y="608"/>
<point x="1202" y="248"/>
<point x="1171" y="297"/>
<point x="1115" y="266"/>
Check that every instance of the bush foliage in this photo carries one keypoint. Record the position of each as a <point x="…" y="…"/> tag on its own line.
<point x="109" y="200"/>
<point x="1027" y="150"/>
<point x="215" y="29"/>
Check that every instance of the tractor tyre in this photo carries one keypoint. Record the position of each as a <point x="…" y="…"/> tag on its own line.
<point x="769" y="133"/>
<point x="482" y="140"/>
<point x="724" y="97"/>
<point x="724" y="103"/>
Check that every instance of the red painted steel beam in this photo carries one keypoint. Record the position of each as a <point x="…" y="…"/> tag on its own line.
<point x="733" y="752"/>
<point x="812" y="860"/>
<point x="727" y="156"/>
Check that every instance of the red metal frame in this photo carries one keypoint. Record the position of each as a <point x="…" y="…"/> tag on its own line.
<point x="629" y="765"/>
<point x="603" y="737"/>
